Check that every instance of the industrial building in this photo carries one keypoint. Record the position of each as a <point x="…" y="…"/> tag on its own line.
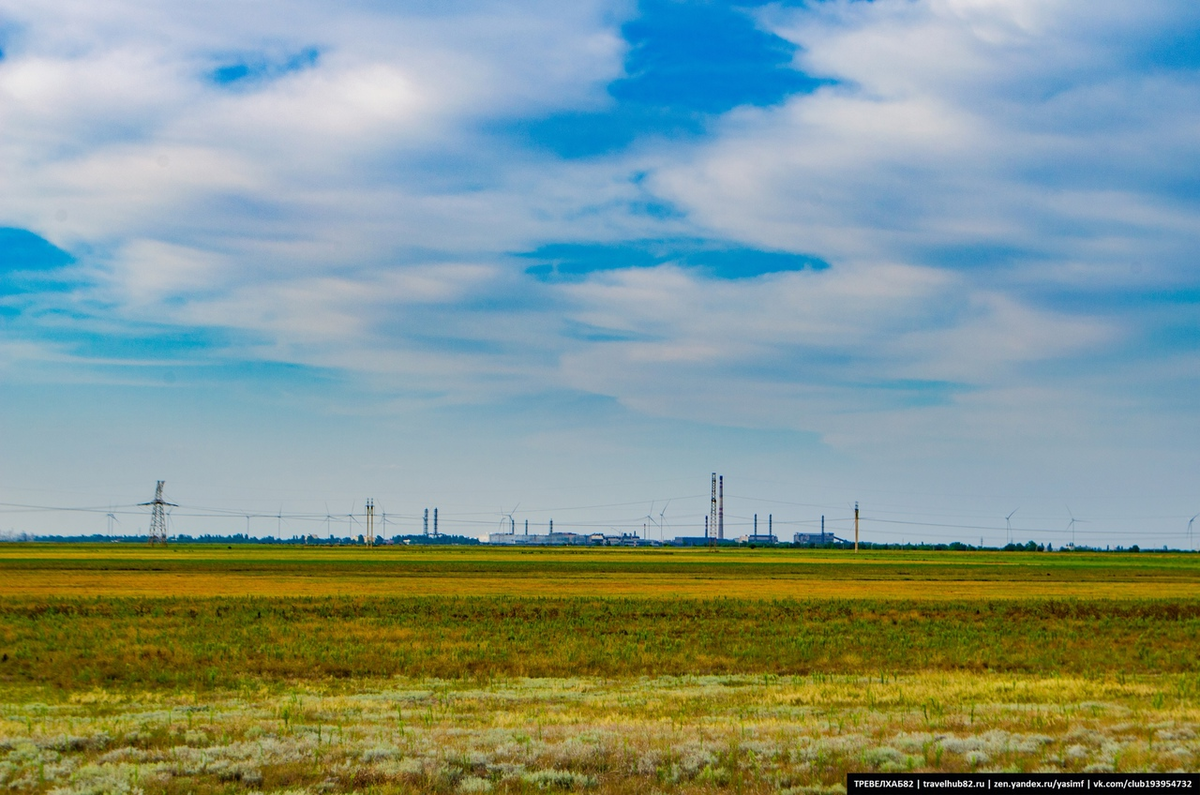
<point x="538" y="540"/>
<point x="818" y="539"/>
<point x="756" y="537"/>
<point x="569" y="539"/>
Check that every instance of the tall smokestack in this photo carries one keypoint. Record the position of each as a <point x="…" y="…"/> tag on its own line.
<point x="721" y="508"/>
<point x="710" y="521"/>
<point x="435" y="521"/>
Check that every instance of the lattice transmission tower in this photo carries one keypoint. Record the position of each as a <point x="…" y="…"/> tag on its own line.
<point x="158" y="515"/>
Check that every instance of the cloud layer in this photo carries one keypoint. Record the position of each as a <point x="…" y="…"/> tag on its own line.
<point x="999" y="198"/>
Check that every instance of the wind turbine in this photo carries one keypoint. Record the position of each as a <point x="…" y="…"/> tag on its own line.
<point x="1071" y="525"/>
<point x="1191" y="541"/>
<point x="650" y="517"/>
<point x="1008" y="524"/>
<point x="512" y="524"/>
<point x="112" y="518"/>
<point x="661" y="519"/>
<point x="328" y="518"/>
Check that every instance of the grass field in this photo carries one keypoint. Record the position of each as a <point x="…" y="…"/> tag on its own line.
<point x="687" y="734"/>
<point x="227" y="642"/>
<point x="273" y="669"/>
<point x="200" y="570"/>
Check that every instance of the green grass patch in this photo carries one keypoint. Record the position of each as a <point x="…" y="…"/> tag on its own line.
<point x="226" y="642"/>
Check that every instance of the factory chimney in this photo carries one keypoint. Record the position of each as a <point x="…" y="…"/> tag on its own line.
<point x="721" y="508"/>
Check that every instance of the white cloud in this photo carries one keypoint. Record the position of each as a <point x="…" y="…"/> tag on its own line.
<point x="356" y="214"/>
<point x="101" y="91"/>
<point x="806" y="350"/>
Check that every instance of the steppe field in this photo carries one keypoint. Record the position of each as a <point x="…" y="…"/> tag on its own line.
<point x="205" y="669"/>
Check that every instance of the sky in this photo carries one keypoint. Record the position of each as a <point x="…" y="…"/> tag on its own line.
<point x="566" y="260"/>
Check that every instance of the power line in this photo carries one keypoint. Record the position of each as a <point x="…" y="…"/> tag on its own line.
<point x="158" y="516"/>
<point x="469" y="520"/>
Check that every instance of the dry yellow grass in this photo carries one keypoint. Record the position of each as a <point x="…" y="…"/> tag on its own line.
<point x="126" y="570"/>
<point x="665" y="586"/>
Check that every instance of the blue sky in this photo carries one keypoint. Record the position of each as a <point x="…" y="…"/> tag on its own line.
<point x="937" y="256"/>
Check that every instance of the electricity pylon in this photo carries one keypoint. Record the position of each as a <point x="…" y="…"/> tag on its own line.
<point x="158" y="516"/>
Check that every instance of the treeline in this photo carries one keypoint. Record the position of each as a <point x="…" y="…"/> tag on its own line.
<point x="240" y="538"/>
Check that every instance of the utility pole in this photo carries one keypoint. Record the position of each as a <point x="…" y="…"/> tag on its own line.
<point x="158" y="515"/>
<point x="856" y="525"/>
